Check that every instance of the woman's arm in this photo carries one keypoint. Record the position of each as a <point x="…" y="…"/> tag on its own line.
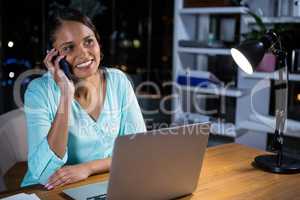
<point x="58" y="134"/>
<point x="99" y="166"/>
<point x="47" y="136"/>
<point x="44" y="157"/>
<point x="132" y="120"/>
<point x="75" y="173"/>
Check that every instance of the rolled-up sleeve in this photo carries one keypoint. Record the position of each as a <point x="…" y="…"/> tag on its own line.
<point x="131" y="116"/>
<point x="42" y="161"/>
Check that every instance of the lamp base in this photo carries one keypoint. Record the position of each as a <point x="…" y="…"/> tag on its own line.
<point x="269" y="163"/>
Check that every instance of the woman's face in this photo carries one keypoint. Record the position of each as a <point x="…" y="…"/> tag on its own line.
<point x="78" y="43"/>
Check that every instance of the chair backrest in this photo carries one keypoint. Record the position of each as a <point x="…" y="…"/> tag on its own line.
<point x="13" y="140"/>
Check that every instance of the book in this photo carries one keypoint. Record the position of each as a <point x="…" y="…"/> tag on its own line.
<point x="198" y="78"/>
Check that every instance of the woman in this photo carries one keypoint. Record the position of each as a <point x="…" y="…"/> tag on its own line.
<point x="72" y="125"/>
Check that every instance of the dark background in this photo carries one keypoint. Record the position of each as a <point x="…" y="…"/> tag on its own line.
<point x="136" y="37"/>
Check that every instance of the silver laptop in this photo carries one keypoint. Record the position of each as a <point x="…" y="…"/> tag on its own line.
<point x="159" y="164"/>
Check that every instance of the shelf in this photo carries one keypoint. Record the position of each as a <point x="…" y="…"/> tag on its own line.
<point x="214" y="10"/>
<point x="254" y="126"/>
<point x="208" y="51"/>
<point x="269" y="75"/>
<point x="224" y="129"/>
<point x="260" y="127"/>
<point x="196" y="77"/>
<point x="229" y="92"/>
<point x="274" y="20"/>
<point x="217" y="127"/>
<point x="192" y="118"/>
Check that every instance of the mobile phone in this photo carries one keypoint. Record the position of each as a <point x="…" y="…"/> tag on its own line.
<point x="64" y="66"/>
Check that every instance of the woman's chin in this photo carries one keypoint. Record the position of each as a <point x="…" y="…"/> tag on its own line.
<point x="85" y="72"/>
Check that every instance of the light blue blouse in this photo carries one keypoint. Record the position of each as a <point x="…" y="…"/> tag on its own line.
<point x="88" y="139"/>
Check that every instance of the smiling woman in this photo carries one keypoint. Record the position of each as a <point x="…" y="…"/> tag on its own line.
<point x="72" y="124"/>
<point x="81" y="49"/>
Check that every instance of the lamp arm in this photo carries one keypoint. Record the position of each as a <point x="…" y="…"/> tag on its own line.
<point x="281" y="103"/>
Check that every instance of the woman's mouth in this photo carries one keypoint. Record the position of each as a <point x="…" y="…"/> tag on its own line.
<point x="84" y="64"/>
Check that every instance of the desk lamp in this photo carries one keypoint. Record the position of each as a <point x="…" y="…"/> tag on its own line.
<point x="247" y="56"/>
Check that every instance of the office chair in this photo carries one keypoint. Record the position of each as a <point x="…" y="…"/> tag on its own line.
<point x="13" y="149"/>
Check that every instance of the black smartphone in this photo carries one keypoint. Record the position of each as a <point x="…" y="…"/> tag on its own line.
<point x="65" y="66"/>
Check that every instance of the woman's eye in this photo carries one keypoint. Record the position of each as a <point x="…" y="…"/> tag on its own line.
<point x="67" y="49"/>
<point x="89" y="42"/>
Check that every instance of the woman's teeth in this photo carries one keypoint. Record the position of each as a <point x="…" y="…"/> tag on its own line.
<point x="85" y="64"/>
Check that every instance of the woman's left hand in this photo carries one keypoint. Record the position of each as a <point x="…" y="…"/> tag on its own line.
<point x="68" y="174"/>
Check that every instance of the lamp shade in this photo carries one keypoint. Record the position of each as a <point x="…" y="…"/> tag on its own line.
<point x="249" y="54"/>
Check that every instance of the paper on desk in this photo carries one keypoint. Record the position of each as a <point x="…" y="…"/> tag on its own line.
<point x="22" y="196"/>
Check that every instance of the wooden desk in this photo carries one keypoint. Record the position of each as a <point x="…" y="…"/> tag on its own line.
<point x="226" y="174"/>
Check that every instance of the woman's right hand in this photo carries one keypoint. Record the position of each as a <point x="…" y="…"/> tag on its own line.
<point x="66" y="86"/>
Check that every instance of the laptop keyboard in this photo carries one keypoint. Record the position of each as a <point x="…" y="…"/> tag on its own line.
<point x="98" y="197"/>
